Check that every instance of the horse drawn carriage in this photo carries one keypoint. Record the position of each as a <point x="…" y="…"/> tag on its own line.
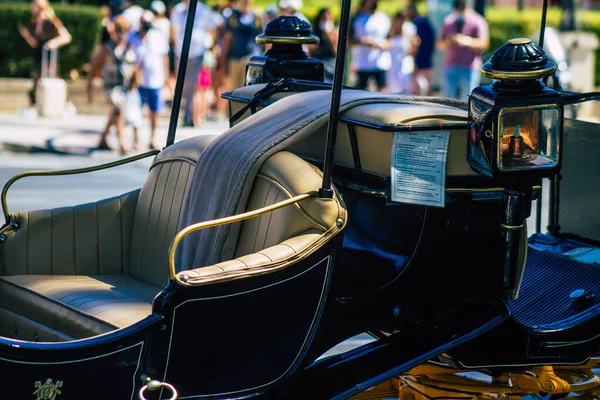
<point x="245" y="257"/>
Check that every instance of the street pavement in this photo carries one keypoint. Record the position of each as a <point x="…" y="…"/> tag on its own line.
<point x="80" y="134"/>
<point x="47" y="144"/>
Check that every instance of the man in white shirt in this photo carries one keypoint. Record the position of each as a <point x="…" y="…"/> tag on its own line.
<point x="370" y="56"/>
<point x="205" y="24"/>
<point x="151" y="49"/>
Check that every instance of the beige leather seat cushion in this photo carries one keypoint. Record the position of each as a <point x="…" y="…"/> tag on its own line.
<point x="79" y="305"/>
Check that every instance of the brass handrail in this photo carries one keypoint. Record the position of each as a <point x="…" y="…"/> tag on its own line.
<point x="68" y="172"/>
<point x="224" y="221"/>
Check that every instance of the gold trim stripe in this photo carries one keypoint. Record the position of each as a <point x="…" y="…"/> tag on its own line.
<point x="508" y="75"/>
<point x="263" y="39"/>
<point x="224" y="221"/>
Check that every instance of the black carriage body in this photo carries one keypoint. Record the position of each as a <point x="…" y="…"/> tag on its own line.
<point x="236" y="339"/>
<point x="103" y="367"/>
<point x="402" y="264"/>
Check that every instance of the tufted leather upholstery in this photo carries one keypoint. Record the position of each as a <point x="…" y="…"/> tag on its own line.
<point x="87" y="239"/>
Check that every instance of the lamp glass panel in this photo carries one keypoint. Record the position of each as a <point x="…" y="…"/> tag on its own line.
<point x="528" y="138"/>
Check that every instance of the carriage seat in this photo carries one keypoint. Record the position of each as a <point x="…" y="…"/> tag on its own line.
<point x="75" y="272"/>
<point x="76" y="295"/>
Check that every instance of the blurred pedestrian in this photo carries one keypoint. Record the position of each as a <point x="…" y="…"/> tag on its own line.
<point x="151" y="49"/>
<point x="404" y="43"/>
<point x="464" y="36"/>
<point x="115" y="62"/>
<point x="44" y="32"/>
<point x="133" y="14"/>
<point x="292" y="8"/>
<point x="423" y="58"/>
<point x="370" y="52"/>
<point x="219" y="78"/>
<point x="161" y="22"/>
<point x="201" y="97"/>
<point x="239" y="44"/>
<point x="205" y="23"/>
<point x="269" y="15"/>
<point x="325" y="30"/>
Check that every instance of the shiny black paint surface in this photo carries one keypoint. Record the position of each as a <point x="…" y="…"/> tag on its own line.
<point x="102" y="367"/>
<point x="344" y="375"/>
<point x="240" y="337"/>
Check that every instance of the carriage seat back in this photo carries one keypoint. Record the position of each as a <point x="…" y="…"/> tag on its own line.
<point x="285" y="233"/>
<point x="159" y="207"/>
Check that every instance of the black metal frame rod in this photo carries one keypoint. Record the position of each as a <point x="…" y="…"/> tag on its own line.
<point x="543" y="25"/>
<point x="336" y="95"/>
<point x="183" y="59"/>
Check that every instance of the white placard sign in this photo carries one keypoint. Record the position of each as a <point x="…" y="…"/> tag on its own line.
<point x="419" y="167"/>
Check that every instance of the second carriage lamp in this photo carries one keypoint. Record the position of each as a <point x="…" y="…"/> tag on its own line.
<point x="286" y="57"/>
<point x="515" y="124"/>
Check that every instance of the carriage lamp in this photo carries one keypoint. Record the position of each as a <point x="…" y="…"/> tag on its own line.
<point x="515" y="131"/>
<point x="515" y="125"/>
<point x="285" y="58"/>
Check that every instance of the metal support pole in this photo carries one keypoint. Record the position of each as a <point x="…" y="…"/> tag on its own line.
<point x="336" y="95"/>
<point x="553" y="205"/>
<point x="543" y="25"/>
<point x="183" y="59"/>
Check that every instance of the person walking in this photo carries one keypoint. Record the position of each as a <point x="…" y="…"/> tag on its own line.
<point x="45" y="32"/>
<point x="115" y="61"/>
<point x="239" y="44"/>
<point x="151" y="49"/>
<point x="161" y="22"/>
<point x="423" y="58"/>
<point x="370" y="53"/>
<point x="205" y="23"/>
<point x="404" y="43"/>
<point x="324" y="29"/>
<point x="464" y="36"/>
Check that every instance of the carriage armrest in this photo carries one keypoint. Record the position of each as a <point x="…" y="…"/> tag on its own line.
<point x="76" y="171"/>
<point x="274" y="257"/>
<point x="88" y="239"/>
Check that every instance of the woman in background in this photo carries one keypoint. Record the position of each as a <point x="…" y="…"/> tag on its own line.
<point x="115" y="62"/>
<point x="324" y="29"/>
<point x="45" y="31"/>
<point x="403" y="44"/>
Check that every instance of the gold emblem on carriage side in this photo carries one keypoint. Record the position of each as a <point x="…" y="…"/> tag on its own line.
<point x="47" y="391"/>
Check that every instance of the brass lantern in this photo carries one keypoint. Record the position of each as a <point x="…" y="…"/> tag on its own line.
<point x="515" y="125"/>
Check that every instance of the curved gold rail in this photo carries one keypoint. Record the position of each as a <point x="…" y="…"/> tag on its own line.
<point x="68" y="172"/>
<point x="227" y="220"/>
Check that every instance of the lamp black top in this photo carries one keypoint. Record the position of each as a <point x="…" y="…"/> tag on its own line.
<point x="289" y="30"/>
<point x="519" y="59"/>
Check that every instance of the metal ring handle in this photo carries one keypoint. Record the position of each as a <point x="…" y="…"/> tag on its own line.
<point x="156" y="385"/>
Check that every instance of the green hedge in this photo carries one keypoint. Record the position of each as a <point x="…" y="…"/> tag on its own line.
<point x="506" y="23"/>
<point x="16" y="57"/>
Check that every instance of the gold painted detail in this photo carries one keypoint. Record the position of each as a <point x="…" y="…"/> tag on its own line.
<point x="48" y="390"/>
<point x="508" y="75"/>
<point x="517" y="41"/>
<point x="224" y="221"/>
<point x="263" y="39"/>
<point x="429" y="381"/>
